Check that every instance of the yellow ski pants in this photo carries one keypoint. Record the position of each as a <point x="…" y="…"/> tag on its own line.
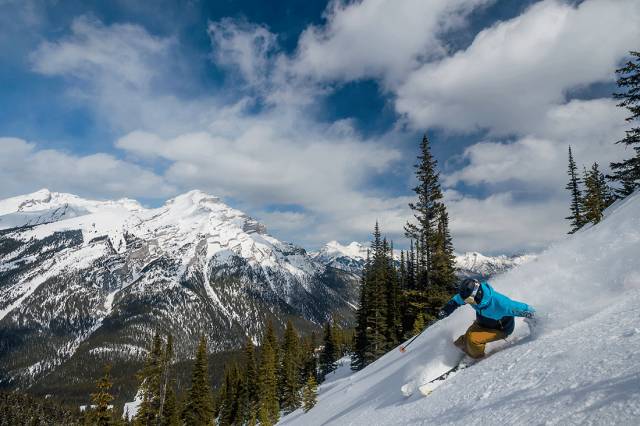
<point x="475" y="339"/>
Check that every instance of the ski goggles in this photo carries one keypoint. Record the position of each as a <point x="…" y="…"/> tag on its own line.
<point x="471" y="299"/>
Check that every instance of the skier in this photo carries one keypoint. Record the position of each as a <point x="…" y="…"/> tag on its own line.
<point x="495" y="314"/>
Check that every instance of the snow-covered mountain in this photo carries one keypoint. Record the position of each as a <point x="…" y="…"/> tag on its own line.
<point x="82" y="280"/>
<point x="581" y="365"/>
<point x="351" y="258"/>
<point x="476" y="265"/>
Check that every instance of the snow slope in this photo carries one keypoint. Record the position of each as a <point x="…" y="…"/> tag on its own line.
<point x="582" y="366"/>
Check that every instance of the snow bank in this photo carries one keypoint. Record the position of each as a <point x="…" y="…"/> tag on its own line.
<point x="581" y="367"/>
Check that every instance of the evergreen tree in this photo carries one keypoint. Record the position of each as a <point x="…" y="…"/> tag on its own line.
<point x="444" y="259"/>
<point x="309" y="361"/>
<point x="150" y="383"/>
<point x="309" y="394"/>
<point x="228" y="397"/>
<point x="411" y="269"/>
<point x="627" y="173"/>
<point x="249" y="402"/>
<point x="402" y="281"/>
<point x="434" y="260"/>
<point x="378" y="318"/>
<point x="167" y="361"/>
<point x="418" y="324"/>
<point x="426" y="209"/>
<point x="329" y="354"/>
<point x="377" y="288"/>
<point x="290" y="399"/>
<point x="268" y="407"/>
<point x="597" y="195"/>
<point x="170" y="412"/>
<point x="392" y="305"/>
<point x="576" y="216"/>
<point x="102" y="415"/>
<point x="198" y="409"/>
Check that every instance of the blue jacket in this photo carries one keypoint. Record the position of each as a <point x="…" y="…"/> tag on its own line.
<point x="495" y="310"/>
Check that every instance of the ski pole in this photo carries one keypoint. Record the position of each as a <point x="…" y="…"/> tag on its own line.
<point x="404" y="348"/>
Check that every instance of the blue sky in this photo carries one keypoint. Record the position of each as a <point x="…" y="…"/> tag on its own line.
<point x="308" y="115"/>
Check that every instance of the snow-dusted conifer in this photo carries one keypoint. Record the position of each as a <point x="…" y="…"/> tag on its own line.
<point x="627" y="173"/>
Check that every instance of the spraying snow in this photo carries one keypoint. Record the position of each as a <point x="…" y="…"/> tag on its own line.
<point x="582" y="366"/>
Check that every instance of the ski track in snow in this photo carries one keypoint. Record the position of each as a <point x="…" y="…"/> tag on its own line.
<point x="582" y="366"/>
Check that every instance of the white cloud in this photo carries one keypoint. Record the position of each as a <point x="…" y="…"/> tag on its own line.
<point x="280" y="155"/>
<point x="243" y="46"/>
<point x="515" y="71"/>
<point x="512" y="80"/>
<point x="539" y="161"/>
<point x="123" y="49"/>
<point x="124" y="74"/>
<point x="377" y="38"/>
<point x="505" y="223"/>
<point x="25" y="168"/>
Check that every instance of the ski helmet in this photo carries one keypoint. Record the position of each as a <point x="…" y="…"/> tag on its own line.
<point x="471" y="291"/>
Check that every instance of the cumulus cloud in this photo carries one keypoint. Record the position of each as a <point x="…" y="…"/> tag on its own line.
<point x="124" y="74"/>
<point x="504" y="222"/>
<point x="279" y="155"/>
<point x="538" y="161"/>
<point x="122" y="49"/>
<point x="25" y="168"/>
<point x="515" y="71"/>
<point x="245" y="47"/>
<point x="321" y="171"/>
<point x="377" y="38"/>
<point x="513" y="81"/>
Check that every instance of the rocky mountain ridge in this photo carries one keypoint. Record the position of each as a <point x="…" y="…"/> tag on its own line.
<point x="83" y="282"/>
<point x="352" y="257"/>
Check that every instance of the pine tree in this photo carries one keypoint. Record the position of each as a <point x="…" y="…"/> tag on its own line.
<point x="199" y="409"/>
<point x="309" y="361"/>
<point x="377" y="315"/>
<point x="444" y="258"/>
<point x="268" y="407"/>
<point x="329" y="354"/>
<point x="101" y="415"/>
<point x="309" y="394"/>
<point x="434" y="261"/>
<point x="576" y="216"/>
<point x="358" y="359"/>
<point x="418" y="324"/>
<point x="166" y="362"/>
<point x="249" y="402"/>
<point x="411" y="267"/>
<point x="150" y="383"/>
<point x="170" y="412"/>
<point x="597" y="195"/>
<point x="229" y="396"/>
<point x="427" y="208"/>
<point x="627" y="173"/>
<point x="290" y="385"/>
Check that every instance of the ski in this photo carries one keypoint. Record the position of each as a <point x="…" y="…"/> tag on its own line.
<point x="409" y="388"/>
<point x="430" y="386"/>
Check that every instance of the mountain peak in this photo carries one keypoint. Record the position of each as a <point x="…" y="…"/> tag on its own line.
<point x="196" y="197"/>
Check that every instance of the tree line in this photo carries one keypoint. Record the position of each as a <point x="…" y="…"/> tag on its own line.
<point x="278" y="376"/>
<point x="590" y="192"/>
<point x="399" y="298"/>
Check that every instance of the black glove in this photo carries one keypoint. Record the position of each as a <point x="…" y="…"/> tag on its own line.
<point x="447" y="309"/>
